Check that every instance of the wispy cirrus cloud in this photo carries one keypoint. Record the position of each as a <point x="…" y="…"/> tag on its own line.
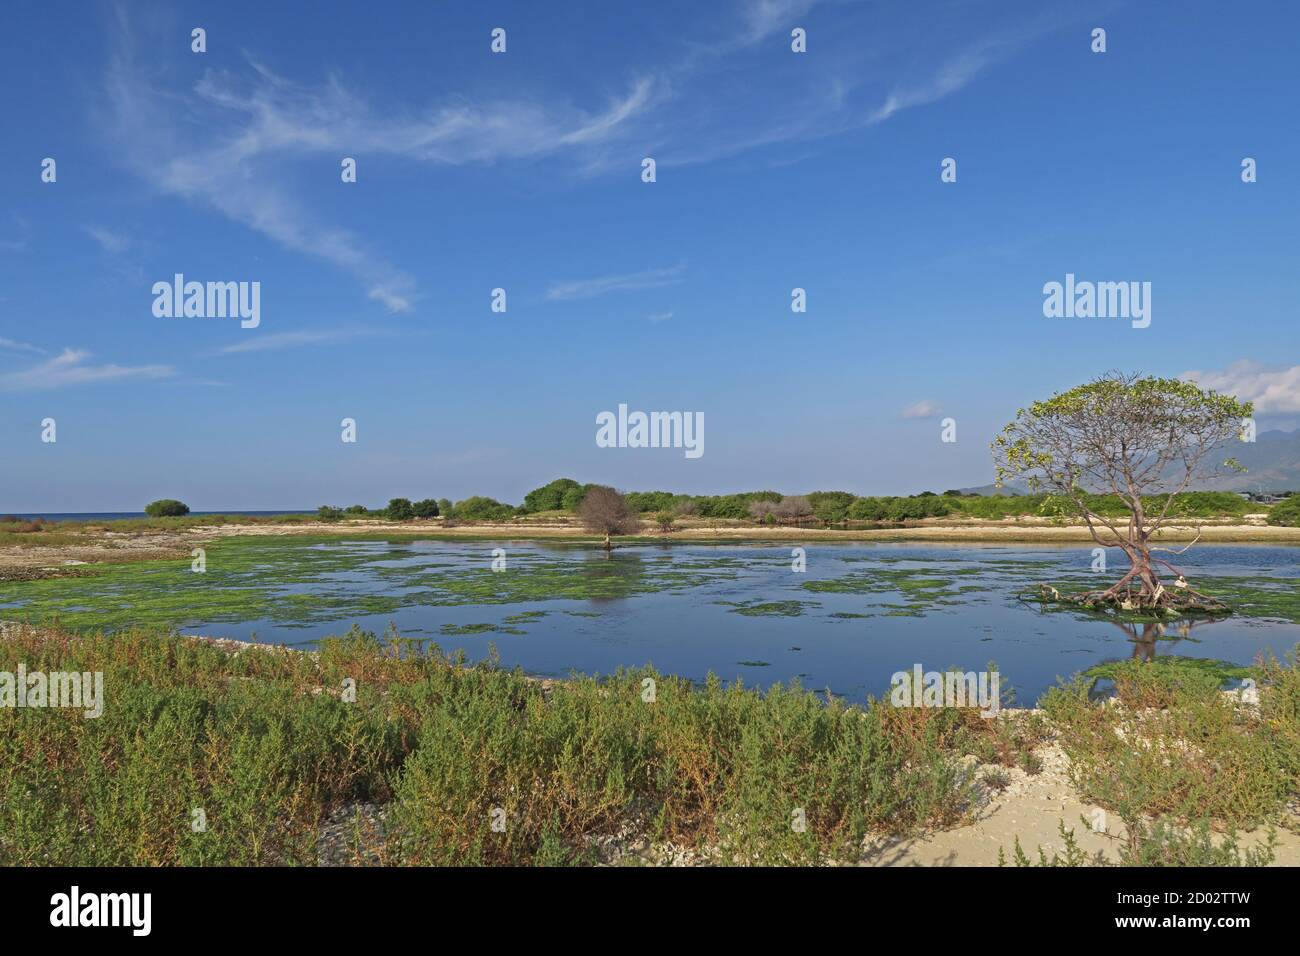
<point x="9" y="345"/>
<point x="17" y="237"/>
<point x="926" y="408"/>
<point x="234" y="140"/>
<point x="73" y="367"/>
<point x="108" y="240"/>
<point x="1274" y="389"/>
<point x="289" y="340"/>
<point x="603" y="285"/>
<point x="226" y="141"/>
<point x="764" y="17"/>
<point x="859" y="77"/>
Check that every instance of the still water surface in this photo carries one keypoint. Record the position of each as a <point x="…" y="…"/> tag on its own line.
<point x="857" y="614"/>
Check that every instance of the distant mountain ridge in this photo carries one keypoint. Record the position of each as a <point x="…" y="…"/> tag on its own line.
<point x="1272" y="463"/>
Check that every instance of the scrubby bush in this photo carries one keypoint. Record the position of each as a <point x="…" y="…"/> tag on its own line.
<point x="831" y="507"/>
<point x="261" y="740"/>
<point x="428" y="508"/>
<point x="731" y="506"/>
<point x="1286" y="513"/>
<point x="1200" y="752"/>
<point x="792" y="508"/>
<point x="12" y="524"/>
<point x="572" y="499"/>
<point x="900" y="509"/>
<point x="329" y="513"/>
<point x="399" y="509"/>
<point x="166" y="508"/>
<point x="549" y="497"/>
<point x="480" y="508"/>
<point x="869" y="509"/>
<point x="606" y="512"/>
<point x="643" y="501"/>
<point x="1209" y="504"/>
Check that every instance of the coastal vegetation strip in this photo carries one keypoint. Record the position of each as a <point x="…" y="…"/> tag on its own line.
<point x="482" y="765"/>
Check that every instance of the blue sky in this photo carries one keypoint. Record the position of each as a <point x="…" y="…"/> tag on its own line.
<point x="522" y="171"/>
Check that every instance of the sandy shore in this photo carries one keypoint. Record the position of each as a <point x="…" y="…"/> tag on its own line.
<point x="96" y="545"/>
<point x="1032" y="808"/>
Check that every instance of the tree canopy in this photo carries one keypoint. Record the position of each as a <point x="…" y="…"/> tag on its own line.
<point x="606" y="512"/>
<point x="1142" y="440"/>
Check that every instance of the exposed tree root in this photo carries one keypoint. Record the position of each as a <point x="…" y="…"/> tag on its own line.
<point x="1129" y="598"/>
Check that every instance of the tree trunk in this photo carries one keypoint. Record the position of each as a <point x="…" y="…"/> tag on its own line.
<point x="1140" y="589"/>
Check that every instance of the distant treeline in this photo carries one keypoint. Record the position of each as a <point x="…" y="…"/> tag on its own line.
<point x="772" y="507"/>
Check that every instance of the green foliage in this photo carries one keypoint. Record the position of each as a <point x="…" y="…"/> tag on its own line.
<point x="1163" y="843"/>
<point x="834" y="507"/>
<point x="549" y="497"/>
<point x="263" y="743"/>
<point x="1286" y="513"/>
<point x="329" y="513"/>
<point x="427" y="508"/>
<point x="831" y="507"/>
<point x="1210" y="504"/>
<point x="1279" y="707"/>
<point x="166" y="508"/>
<point x="731" y="506"/>
<point x="643" y="501"/>
<point x="356" y="510"/>
<point x="399" y="509"/>
<point x="995" y="507"/>
<point x="184" y="725"/>
<point x="1158" y="843"/>
<point x="479" y="508"/>
<point x="1197" y="504"/>
<point x="1203" y="753"/>
<point x="1119" y="431"/>
<point x="1072" y="854"/>
<point x="572" y="499"/>
<point x="900" y="509"/>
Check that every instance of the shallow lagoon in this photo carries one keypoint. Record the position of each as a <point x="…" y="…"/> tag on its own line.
<point x="859" y="613"/>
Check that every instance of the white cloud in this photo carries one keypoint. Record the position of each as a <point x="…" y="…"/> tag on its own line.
<point x="1272" y="388"/>
<point x="108" y="240"/>
<point x="226" y="144"/>
<point x="926" y="408"/>
<point x="9" y="345"/>
<point x="658" y="317"/>
<point x="849" y="85"/>
<point x="70" y="367"/>
<point x="603" y="285"/>
<point x="288" y="340"/>
<point x="763" y="17"/>
<point x="234" y="141"/>
<point x="949" y="78"/>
